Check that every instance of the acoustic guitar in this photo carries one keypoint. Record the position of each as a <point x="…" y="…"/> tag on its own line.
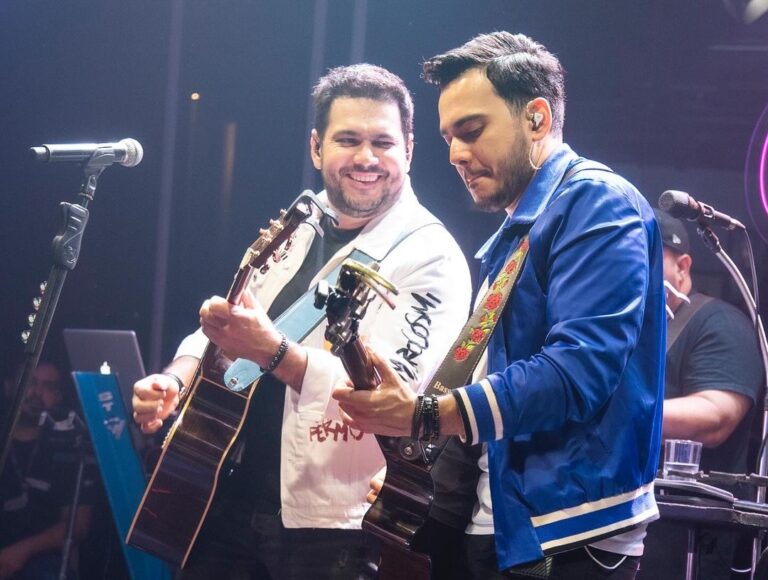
<point x="182" y="486"/>
<point x="403" y="504"/>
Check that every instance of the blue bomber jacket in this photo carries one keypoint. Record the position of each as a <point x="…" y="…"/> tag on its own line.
<point x="571" y="406"/>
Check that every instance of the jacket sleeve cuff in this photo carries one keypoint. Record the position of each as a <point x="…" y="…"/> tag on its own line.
<point x="479" y="412"/>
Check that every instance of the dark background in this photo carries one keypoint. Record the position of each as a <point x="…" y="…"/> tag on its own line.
<point x="667" y="93"/>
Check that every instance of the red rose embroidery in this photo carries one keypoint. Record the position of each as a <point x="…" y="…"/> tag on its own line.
<point x="493" y="301"/>
<point x="477" y="335"/>
<point x="461" y="353"/>
<point x="511" y="267"/>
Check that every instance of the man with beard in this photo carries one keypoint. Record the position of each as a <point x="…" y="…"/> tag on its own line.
<point x="567" y="400"/>
<point x="713" y="379"/>
<point x="36" y="486"/>
<point x="293" y="506"/>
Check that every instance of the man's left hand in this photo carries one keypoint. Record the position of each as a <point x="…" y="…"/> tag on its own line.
<point x="386" y="410"/>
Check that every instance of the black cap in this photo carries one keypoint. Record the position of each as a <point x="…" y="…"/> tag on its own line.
<point x="673" y="232"/>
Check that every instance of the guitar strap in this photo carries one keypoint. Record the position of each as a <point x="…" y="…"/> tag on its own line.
<point x="463" y="356"/>
<point x="683" y="316"/>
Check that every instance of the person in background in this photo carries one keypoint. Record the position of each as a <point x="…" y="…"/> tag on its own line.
<point x="37" y="484"/>
<point x="713" y="380"/>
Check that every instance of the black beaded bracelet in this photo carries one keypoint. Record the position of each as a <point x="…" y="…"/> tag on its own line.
<point x="278" y="358"/>
<point x="426" y="418"/>
<point x="417" y="416"/>
<point x="430" y="419"/>
<point x="178" y="380"/>
<point x="435" y="418"/>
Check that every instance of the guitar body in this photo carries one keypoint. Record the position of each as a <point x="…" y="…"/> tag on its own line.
<point x="403" y="503"/>
<point x="183" y="484"/>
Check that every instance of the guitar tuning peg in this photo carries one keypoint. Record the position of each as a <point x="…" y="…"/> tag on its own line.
<point x="43" y="286"/>
<point x="25" y="336"/>
<point x="36" y="303"/>
<point x="31" y="319"/>
<point x="263" y="232"/>
<point x="283" y="213"/>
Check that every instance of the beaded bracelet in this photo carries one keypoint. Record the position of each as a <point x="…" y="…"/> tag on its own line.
<point x="435" y="429"/>
<point x="278" y="358"/>
<point x="426" y="418"/>
<point x="417" y="415"/>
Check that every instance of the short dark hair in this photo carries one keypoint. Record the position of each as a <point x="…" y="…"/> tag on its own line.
<point x="361" y="81"/>
<point x="519" y="68"/>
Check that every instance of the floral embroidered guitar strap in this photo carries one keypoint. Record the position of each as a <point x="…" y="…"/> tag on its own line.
<point x="461" y="360"/>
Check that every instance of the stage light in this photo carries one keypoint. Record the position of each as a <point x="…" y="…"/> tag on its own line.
<point x="756" y="175"/>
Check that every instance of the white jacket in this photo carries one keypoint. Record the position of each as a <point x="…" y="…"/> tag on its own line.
<point x="325" y="466"/>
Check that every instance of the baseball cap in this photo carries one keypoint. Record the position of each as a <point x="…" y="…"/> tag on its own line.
<point x="673" y="232"/>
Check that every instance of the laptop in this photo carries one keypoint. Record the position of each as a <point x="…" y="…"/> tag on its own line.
<point x="107" y="351"/>
<point x="110" y="352"/>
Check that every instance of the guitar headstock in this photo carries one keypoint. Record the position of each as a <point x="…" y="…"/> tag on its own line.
<point x="347" y="303"/>
<point x="274" y="240"/>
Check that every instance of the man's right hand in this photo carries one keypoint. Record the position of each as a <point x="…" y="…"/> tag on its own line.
<point x="154" y="398"/>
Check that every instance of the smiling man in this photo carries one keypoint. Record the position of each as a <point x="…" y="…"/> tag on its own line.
<point x="566" y="403"/>
<point x="294" y="504"/>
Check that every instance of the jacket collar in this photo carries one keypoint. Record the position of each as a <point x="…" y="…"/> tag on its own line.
<point x="537" y="195"/>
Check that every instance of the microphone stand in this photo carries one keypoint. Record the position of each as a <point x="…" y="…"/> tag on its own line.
<point x="713" y="243"/>
<point x="66" y="250"/>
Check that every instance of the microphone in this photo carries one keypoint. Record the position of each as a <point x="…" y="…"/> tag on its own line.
<point x="127" y="152"/>
<point x="681" y="205"/>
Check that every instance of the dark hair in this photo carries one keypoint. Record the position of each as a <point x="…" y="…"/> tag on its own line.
<point x="361" y="81"/>
<point x="519" y="68"/>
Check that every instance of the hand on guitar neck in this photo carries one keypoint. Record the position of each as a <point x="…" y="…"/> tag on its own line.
<point x="389" y="409"/>
<point x="245" y="331"/>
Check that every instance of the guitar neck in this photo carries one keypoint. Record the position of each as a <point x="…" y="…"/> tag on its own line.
<point x="240" y="283"/>
<point x="214" y="363"/>
<point x="358" y="365"/>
